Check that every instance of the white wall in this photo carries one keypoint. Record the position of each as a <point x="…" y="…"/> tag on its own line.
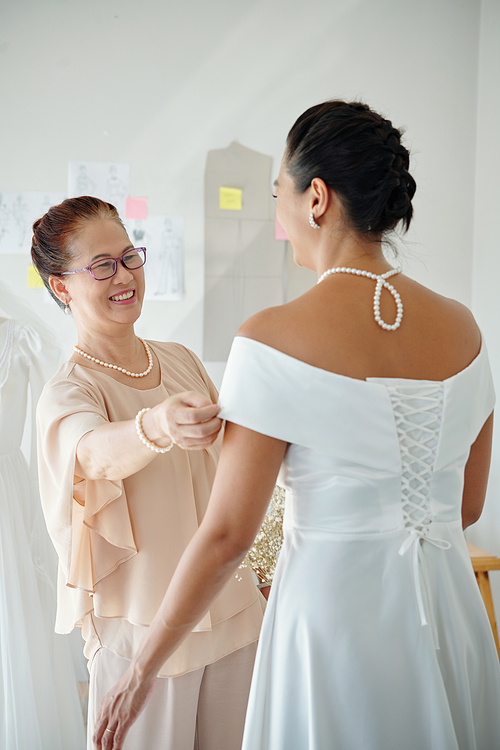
<point x="158" y="83"/>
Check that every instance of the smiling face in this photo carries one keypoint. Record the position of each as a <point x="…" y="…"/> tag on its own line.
<point x="104" y="306"/>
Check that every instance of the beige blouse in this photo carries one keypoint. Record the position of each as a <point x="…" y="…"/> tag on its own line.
<point x="119" y="542"/>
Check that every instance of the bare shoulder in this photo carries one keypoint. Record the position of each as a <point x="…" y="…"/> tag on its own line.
<point x="445" y="315"/>
<point x="332" y="327"/>
<point x="293" y="328"/>
<point x="268" y="326"/>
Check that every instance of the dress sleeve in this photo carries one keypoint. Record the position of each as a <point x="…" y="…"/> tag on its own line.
<point x="270" y="392"/>
<point x="89" y="522"/>
<point x="469" y="399"/>
<point x="254" y="394"/>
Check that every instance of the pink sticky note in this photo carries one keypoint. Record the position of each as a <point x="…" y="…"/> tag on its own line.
<point x="279" y="232"/>
<point x="136" y="208"/>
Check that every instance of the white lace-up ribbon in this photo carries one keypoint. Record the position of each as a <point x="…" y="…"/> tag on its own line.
<point x="417" y="412"/>
<point x="415" y="539"/>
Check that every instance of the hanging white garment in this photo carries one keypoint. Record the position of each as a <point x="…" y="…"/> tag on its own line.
<point x="39" y="704"/>
<point x="375" y="635"/>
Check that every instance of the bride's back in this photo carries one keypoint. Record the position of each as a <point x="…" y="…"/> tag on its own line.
<point x="343" y="187"/>
<point x="332" y="327"/>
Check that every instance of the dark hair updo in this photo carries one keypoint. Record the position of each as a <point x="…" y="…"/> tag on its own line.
<point x="54" y="233"/>
<point x="360" y="156"/>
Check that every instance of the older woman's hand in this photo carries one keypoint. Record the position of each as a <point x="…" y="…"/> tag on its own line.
<point x="120" y="708"/>
<point x="189" y="419"/>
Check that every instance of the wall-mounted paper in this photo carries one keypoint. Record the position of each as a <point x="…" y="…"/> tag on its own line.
<point x="244" y="266"/>
<point x="163" y="238"/>
<point x="105" y="180"/>
<point x="34" y="278"/>
<point x="279" y="232"/>
<point x="18" y="211"/>
<point x="230" y="199"/>
<point x="246" y="270"/>
<point x="136" y="208"/>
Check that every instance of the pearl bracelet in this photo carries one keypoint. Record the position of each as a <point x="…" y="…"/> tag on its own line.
<point x="142" y="436"/>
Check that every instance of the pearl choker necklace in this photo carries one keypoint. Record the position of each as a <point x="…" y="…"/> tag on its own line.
<point x="381" y="283"/>
<point x="121" y="369"/>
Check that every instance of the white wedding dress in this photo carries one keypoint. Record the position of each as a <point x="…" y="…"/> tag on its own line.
<point x="375" y="635"/>
<point x="39" y="704"/>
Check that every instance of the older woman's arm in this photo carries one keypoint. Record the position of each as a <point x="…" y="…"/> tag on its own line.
<point x="248" y="467"/>
<point x="114" y="450"/>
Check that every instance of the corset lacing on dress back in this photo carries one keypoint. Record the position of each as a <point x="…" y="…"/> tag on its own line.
<point x="417" y="411"/>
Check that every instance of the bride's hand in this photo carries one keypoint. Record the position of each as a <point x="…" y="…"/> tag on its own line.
<point x="119" y="709"/>
<point x="189" y="419"/>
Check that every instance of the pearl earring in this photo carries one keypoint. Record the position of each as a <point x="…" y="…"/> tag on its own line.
<point x="312" y="222"/>
<point x="67" y="309"/>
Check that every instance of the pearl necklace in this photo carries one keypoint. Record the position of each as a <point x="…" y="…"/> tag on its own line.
<point x="121" y="369"/>
<point x="381" y="283"/>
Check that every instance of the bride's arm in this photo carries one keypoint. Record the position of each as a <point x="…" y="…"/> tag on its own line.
<point x="477" y="471"/>
<point x="245" y="479"/>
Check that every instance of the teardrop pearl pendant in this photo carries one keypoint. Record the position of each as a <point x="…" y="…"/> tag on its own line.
<point x="381" y="284"/>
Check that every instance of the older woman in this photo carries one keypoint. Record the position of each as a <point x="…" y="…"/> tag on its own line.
<point x="376" y="394"/>
<point x="128" y="446"/>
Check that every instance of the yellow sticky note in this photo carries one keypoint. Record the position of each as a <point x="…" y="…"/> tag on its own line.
<point x="34" y="278"/>
<point x="230" y="198"/>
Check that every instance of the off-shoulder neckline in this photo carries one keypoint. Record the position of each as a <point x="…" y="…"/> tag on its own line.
<point x="371" y="380"/>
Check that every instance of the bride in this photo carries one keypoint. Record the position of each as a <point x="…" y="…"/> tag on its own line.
<point x="375" y="395"/>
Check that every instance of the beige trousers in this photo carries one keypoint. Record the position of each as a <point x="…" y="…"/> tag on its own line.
<point x="201" y="710"/>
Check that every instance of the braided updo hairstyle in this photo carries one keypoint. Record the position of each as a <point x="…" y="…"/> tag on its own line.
<point x="54" y="233"/>
<point x="360" y="156"/>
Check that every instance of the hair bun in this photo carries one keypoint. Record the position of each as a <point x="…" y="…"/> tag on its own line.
<point x="358" y="154"/>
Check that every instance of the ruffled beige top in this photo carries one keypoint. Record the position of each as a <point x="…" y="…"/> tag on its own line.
<point x="119" y="542"/>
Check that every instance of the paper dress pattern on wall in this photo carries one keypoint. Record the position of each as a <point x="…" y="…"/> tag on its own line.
<point x="108" y="181"/>
<point x="163" y="236"/>
<point x="246" y="267"/>
<point x="18" y="211"/>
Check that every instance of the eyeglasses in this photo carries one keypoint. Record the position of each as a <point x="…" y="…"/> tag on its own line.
<point x="107" y="267"/>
